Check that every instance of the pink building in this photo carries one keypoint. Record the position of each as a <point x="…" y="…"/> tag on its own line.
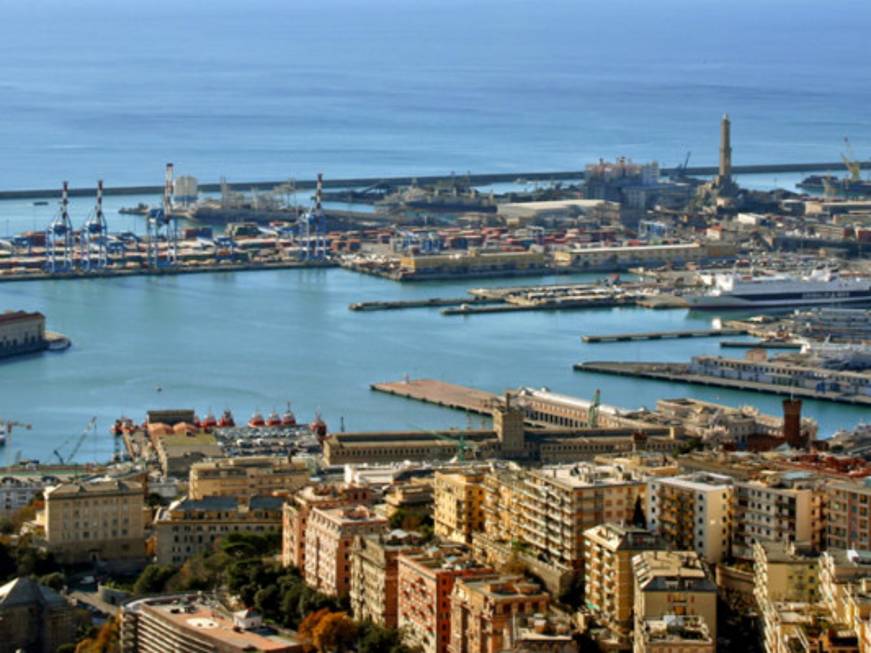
<point x="328" y="542"/>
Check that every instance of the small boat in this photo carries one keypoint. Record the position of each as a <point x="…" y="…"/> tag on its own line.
<point x="256" y="420"/>
<point x="227" y="420"/>
<point x="41" y="203"/>
<point x="273" y="419"/>
<point x="288" y="418"/>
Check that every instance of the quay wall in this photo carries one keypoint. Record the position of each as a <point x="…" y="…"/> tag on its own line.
<point x="364" y="182"/>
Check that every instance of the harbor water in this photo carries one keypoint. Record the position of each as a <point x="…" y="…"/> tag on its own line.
<point x="255" y="340"/>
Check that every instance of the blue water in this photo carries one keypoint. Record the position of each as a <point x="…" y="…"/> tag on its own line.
<point x="268" y="89"/>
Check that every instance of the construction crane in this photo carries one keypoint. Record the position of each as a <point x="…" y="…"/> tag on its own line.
<point x="853" y="166"/>
<point x="6" y="430"/>
<point x="90" y="427"/>
<point x="593" y="410"/>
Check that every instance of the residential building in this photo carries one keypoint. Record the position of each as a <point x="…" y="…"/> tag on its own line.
<point x="190" y="526"/>
<point x="483" y="611"/>
<point x="411" y="497"/>
<point x="374" y="574"/>
<point x="674" y="583"/>
<point x="330" y="533"/>
<point x="18" y="491"/>
<point x="692" y="512"/>
<point x="608" y="575"/>
<point x="782" y="572"/>
<point x="35" y="618"/>
<point x="841" y="573"/>
<point x="848" y="515"/>
<point x="500" y="505"/>
<point x="102" y="520"/>
<point x="777" y="508"/>
<point x="557" y="504"/>
<point x="196" y="623"/>
<point x="426" y="581"/>
<point x="458" y="498"/>
<point x="246" y="476"/>
<point x="296" y="511"/>
<point x="542" y="633"/>
<point x="672" y="633"/>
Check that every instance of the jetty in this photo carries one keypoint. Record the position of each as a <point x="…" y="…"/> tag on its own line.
<point x="662" y="335"/>
<point x="760" y="344"/>
<point x="431" y="302"/>
<point x="680" y="373"/>
<point x="439" y="393"/>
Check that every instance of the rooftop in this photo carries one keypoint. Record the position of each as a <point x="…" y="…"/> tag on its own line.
<point x="102" y="487"/>
<point x="671" y="570"/>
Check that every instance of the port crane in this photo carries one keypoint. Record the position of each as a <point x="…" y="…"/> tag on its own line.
<point x="90" y="427"/>
<point x="849" y="159"/>
<point x="163" y="225"/>
<point x="6" y="429"/>
<point x="60" y="235"/>
<point x="462" y="444"/>
<point x="95" y="235"/>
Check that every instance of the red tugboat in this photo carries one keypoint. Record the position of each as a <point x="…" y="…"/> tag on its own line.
<point x="209" y="422"/>
<point x="227" y="420"/>
<point x="256" y="420"/>
<point x="288" y="418"/>
<point x="273" y="420"/>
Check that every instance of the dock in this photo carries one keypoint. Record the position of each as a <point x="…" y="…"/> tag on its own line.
<point x="439" y="393"/>
<point x="662" y="335"/>
<point x="761" y="344"/>
<point x="680" y="373"/>
<point x="431" y="302"/>
<point x="562" y="304"/>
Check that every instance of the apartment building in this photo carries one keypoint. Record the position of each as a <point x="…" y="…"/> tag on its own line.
<point x="246" y="476"/>
<point x="426" y="581"/>
<point x="783" y="572"/>
<point x="692" y="512"/>
<point x="777" y="508"/>
<point x="296" y="511"/>
<point x="458" y="500"/>
<point x="673" y="583"/>
<point x="16" y="492"/>
<point x="35" y="618"/>
<point x="375" y="574"/>
<point x="557" y="504"/>
<point x="483" y="611"/>
<point x="672" y="634"/>
<point x="848" y="515"/>
<point x="195" y="623"/>
<point x="501" y="505"/>
<point x="190" y="526"/>
<point x="95" y="521"/>
<point x="330" y="533"/>
<point x="608" y="576"/>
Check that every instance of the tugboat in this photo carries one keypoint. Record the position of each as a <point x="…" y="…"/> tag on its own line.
<point x="227" y="420"/>
<point x="273" y="420"/>
<point x="256" y="420"/>
<point x="288" y="418"/>
<point x="209" y="421"/>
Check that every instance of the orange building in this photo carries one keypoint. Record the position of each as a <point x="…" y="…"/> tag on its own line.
<point x="426" y="581"/>
<point x="329" y="536"/>
<point x="296" y="511"/>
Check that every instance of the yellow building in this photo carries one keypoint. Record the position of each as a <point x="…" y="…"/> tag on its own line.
<point x="848" y="514"/>
<point x="458" y="498"/>
<point x="559" y="503"/>
<point x="470" y="263"/>
<point x="501" y="505"/>
<point x="95" y="521"/>
<point x="246" y="476"/>
<point x="673" y="583"/>
<point x="617" y="258"/>
<point x="483" y="611"/>
<point x="190" y="526"/>
<point x="608" y="575"/>
<point x="21" y="332"/>
<point x="784" y="573"/>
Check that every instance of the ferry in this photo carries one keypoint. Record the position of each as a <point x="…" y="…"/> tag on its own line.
<point x="821" y="287"/>
<point x="256" y="420"/>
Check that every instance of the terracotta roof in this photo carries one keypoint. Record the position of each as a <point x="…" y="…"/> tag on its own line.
<point x="18" y="316"/>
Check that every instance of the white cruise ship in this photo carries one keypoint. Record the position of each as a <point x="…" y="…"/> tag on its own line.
<point x="821" y="287"/>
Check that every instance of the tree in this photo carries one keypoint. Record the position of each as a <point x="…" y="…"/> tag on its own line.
<point x="373" y="638"/>
<point x="105" y="641"/>
<point x="266" y="601"/>
<point x="639" y="519"/>
<point x="153" y="579"/>
<point x="305" y="632"/>
<point x="55" y="580"/>
<point x="334" y="632"/>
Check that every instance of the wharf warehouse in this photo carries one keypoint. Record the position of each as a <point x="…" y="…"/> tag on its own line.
<point x="614" y="259"/>
<point x="524" y="212"/>
<point x="21" y="333"/>
<point x="472" y="263"/>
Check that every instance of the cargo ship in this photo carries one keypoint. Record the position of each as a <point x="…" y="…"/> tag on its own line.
<point x="830" y="184"/>
<point x="821" y="287"/>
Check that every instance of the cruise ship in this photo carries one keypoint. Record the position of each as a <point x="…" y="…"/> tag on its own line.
<point x="821" y="287"/>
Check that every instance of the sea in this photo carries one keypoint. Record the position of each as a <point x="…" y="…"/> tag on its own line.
<point x="269" y="89"/>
